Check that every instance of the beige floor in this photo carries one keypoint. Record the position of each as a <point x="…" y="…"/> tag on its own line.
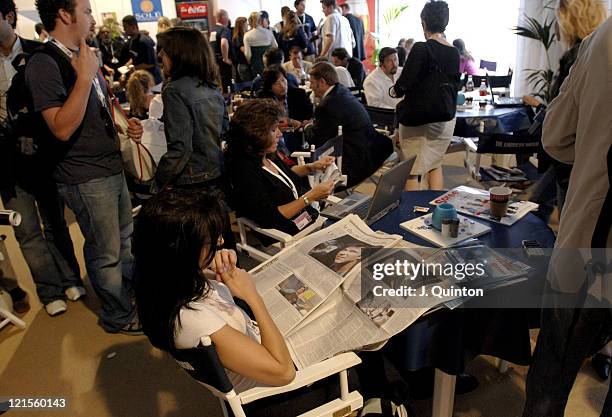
<point x="71" y="356"/>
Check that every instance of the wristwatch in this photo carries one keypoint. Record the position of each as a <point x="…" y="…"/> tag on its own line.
<point x="306" y="201"/>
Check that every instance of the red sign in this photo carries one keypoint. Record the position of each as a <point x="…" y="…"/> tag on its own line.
<point x="192" y="10"/>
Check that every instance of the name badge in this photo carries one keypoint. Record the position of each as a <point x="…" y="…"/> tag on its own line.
<point x="302" y="220"/>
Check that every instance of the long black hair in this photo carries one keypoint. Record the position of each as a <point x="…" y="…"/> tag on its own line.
<point x="171" y="230"/>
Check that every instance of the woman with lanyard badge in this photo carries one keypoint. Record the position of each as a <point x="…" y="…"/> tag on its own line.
<point x="264" y="189"/>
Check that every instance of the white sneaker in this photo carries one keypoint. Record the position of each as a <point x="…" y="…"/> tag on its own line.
<point x="74" y="293"/>
<point x="56" y="307"/>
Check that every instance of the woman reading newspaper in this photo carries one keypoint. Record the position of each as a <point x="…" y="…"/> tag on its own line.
<point x="186" y="291"/>
<point x="264" y="188"/>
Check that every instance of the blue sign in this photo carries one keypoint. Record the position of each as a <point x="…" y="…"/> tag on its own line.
<point x="147" y="10"/>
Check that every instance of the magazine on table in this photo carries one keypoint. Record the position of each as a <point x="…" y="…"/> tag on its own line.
<point x="475" y="202"/>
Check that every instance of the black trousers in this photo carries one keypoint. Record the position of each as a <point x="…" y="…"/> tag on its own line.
<point x="567" y="336"/>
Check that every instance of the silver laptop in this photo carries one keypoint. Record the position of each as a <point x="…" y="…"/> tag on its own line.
<point x="386" y="197"/>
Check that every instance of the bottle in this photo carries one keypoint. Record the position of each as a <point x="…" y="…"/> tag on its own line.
<point x="483" y="89"/>
<point x="469" y="85"/>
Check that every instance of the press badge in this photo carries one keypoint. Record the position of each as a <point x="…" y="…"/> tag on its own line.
<point x="302" y="220"/>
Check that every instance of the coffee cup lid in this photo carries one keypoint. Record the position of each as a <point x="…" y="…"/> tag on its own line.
<point x="500" y="191"/>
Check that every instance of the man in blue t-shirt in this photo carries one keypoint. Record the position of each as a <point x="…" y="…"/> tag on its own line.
<point x="72" y="99"/>
<point x="140" y="49"/>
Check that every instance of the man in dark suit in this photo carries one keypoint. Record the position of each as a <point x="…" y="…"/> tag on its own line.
<point x="358" y="32"/>
<point x="341" y="58"/>
<point x="364" y="149"/>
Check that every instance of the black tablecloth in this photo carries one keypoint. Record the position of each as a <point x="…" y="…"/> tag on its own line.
<point x="447" y="339"/>
<point x="504" y="120"/>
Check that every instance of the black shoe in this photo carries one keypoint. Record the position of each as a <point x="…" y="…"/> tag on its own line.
<point x="21" y="303"/>
<point x="601" y="363"/>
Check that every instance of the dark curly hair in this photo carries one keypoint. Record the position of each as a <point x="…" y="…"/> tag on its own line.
<point x="48" y="11"/>
<point x="7" y="6"/>
<point x="435" y="16"/>
<point x="271" y="76"/>
<point x="250" y="127"/>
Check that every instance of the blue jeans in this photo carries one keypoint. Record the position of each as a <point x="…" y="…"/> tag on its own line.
<point x="49" y="254"/>
<point x="104" y="212"/>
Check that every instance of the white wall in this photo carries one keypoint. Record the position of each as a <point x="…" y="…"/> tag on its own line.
<point x="28" y="16"/>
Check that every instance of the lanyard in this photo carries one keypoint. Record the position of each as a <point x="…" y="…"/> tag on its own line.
<point x="96" y="81"/>
<point x="283" y="178"/>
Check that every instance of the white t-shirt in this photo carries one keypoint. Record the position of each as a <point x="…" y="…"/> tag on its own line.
<point x="339" y="27"/>
<point x="7" y="72"/>
<point x="344" y="77"/>
<point x="210" y="314"/>
<point x="290" y="68"/>
<point x="376" y="88"/>
<point x="258" y="37"/>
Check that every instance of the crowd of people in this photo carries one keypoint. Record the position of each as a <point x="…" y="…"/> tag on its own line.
<point x="182" y="281"/>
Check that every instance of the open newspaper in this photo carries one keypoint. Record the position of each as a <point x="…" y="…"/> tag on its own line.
<point x="297" y="280"/>
<point x="324" y="295"/>
<point x="475" y="202"/>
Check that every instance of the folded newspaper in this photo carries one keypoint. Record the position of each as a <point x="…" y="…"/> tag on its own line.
<point x="320" y="291"/>
<point x="475" y="202"/>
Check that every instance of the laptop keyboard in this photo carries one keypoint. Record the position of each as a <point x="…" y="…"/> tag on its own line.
<point x="362" y="209"/>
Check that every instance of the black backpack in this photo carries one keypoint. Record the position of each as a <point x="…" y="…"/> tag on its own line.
<point x="22" y="121"/>
<point x="433" y="99"/>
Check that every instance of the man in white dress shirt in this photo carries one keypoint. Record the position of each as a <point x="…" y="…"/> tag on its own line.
<point x="336" y="30"/>
<point x="378" y="84"/>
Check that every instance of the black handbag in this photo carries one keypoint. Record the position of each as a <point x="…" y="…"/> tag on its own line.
<point x="432" y="100"/>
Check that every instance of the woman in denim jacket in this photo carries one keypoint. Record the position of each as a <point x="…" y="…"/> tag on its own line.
<point x="195" y="115"/>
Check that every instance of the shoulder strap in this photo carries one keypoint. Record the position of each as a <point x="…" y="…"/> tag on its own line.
<point x="65" y="66"/>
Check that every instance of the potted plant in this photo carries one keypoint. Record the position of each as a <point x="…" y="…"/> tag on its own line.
<point x="540" y="79"/>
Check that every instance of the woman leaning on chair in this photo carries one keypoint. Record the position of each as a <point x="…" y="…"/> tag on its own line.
<point x="264" y="189"/>
<point x="429" y="141"/>
<point x="186" y="287"/>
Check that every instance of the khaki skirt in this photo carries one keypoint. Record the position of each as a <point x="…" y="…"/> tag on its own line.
<point x="427" y="142"/>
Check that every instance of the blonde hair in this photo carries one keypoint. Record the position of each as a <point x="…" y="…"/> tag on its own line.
<point x="291" y="25"/>
<point x="137" y="88"/>
<point x="579" y="18"/>
<point x="163" y="24"/>
<point x="254" y="19"/>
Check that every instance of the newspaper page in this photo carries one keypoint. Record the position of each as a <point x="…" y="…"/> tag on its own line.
<point x="351" y="321"/>
<point x="297" y="280"/>
<point x="475" y="202"/>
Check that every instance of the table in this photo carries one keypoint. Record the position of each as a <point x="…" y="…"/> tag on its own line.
<point x="497" y="120"/>
<point x="446" y="339"/>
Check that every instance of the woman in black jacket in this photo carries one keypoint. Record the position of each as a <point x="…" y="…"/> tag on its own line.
<point x="264" y="189"/>
<point x="293" y="102"/>
<point x="292" y="34"/>
<point x="242" y="64"/>
<point x="438" y="59"/>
